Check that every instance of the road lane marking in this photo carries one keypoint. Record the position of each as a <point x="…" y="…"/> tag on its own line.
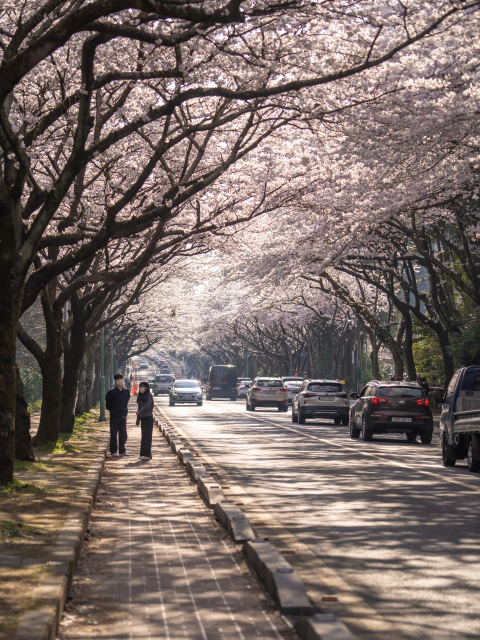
<point x="363" y="453"/>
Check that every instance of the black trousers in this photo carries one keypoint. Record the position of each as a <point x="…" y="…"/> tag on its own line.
<point x="147" y="429"/>
<point x="118" y="425"/>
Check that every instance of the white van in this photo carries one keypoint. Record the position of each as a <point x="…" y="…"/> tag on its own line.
<point x="163" y="382"/>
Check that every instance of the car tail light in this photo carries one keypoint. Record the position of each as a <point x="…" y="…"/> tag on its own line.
<point x="284" y="389"/>
<point x="376" y="400"/>
<point x="423" y="401"/>
<point x="341" y="395"/>
<point x="256" y="388"/>
<point x="309" y="395"/>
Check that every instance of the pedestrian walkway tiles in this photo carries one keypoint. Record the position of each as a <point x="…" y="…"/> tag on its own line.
<point x="156" y="565"/>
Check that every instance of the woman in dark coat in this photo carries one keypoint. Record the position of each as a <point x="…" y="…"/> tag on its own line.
<point x="145" y="416"/>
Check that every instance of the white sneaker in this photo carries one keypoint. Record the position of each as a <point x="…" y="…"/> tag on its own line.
<point x="114" y="455"/>
<point x="125" y="454"/>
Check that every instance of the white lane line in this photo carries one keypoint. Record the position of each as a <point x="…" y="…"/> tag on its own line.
<point x="130" y="605"/>
<point x="363" y="453"/>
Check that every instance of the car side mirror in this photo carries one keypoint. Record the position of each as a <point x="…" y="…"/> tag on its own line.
<point x="354" y="395"/>
<point x="438" y="395"/>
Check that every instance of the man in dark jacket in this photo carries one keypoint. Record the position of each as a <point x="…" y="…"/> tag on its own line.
<point x="116" y="401"/>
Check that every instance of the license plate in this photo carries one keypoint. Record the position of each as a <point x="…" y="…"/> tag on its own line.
<point x="216" y="388"/>
<point x="401" y="419"/>
<point x="269" y="392"/>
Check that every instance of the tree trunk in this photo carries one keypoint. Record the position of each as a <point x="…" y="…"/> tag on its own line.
<point x="23" y="439"/>
<point x="408" y="347"/>
<point x="49" y="428"/>
<point x="80" y="406"/>
<point x="74" y="350"/>
<point x="10" y="295"/>
<point x="89" y="377"/>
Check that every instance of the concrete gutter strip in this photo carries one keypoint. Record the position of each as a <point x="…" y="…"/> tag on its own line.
<point x="282" y="582"/>
<point x="176" y="444"/>
<point x="41" y="622"/>
<point x="234" y="521"/>
<point x="323" y="627"/>
<point x="210" y="491"/>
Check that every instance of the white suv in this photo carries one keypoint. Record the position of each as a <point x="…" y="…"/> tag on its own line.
<point x="267" y="392"/>
<point x="163" y="383"/>
<point x="321" y="399"/>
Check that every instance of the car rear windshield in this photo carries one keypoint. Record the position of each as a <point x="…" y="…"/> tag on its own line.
<point x="183" y="384"/>
<point x="400" y="392"/>
<point x="325" y="387"/>
<point x="269" y="383"/>
<point x="163" y="378"/>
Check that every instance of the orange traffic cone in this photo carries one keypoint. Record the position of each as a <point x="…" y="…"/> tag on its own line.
<point x="134" y="390"/>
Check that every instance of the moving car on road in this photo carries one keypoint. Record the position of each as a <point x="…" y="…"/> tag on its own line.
<point x="243" y="388"/>
<point x="267" y="392"/>
<point x="185" y="391"/>
<point x="143" y="364"/>
<point x="320" y="399"/>
<point x="162" y="384"/>
<point x="460" y="420"/>
<point x="392" y="407"/>
<point x="296" y="379"/>
<point x="292" y="389"/>
<point x="222" y="382"/>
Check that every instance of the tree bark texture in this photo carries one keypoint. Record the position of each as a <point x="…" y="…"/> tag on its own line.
<point x="23" y="439"/>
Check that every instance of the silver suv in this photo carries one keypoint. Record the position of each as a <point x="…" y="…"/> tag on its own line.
<point x="320" y="399"/>
<point x="267" y="392"/>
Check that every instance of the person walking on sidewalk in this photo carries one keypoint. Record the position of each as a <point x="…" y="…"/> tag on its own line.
<point x="116" y="401"/>
<point x="145" y="415"/>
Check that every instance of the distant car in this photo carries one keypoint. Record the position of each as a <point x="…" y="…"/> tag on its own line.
<point x="292" y="379"/>
<point x="185" y="391"/>
<point x="267" y="392"/>
<point x="320" y="399"/>
<point x="292" y="389"/>
<point x="162" y="384"/>
<point x="143" y="364"/>
<point x="164" y="369"/>
<point x="243" y="388"/>
<point x="240" y="380"/>
<point x="391" y="407"/>
<point x="151" y="383"/>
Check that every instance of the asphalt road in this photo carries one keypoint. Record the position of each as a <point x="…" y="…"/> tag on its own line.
<point x="382" y="525"/>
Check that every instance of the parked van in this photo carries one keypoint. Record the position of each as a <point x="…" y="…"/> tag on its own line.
<point x="222" y="382"/>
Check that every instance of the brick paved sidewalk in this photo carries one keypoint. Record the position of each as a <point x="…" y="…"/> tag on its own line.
<point x="158" y="566"/>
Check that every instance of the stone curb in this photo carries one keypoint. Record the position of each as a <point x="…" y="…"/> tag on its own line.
<point x="196" y="470"/>
<point x="210" y="491"/>
<point x="282" y="582"/>
<point x="41" y="623"/>
<point x="323" y="627"/>
<point x="185" y="455"/>
<point x="234" y="521"/>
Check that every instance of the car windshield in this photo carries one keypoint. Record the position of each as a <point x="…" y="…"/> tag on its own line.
<point x="318" y="387"/>
<point x="269" y="383"/>
<point x="292" y="385"/>
<point x="400" y="392"/>
<point x="186" y="384"/>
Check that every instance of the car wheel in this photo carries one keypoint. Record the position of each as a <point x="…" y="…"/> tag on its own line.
<point x="426" y="437"/>
<point x="280" y="407"/>
<point x="294" y="417"/>
<point x="367" y="435"/>
<point x="247" y="407"/>
<point x="199" y="404"/>
<point x="472" y="463"/>
<point x="337" y="421"/>
<point x="301" y="415"/>
<point x="411" y="437"/>
<point x="345" y="420"/>
<point x="285" y="409"/>
<point x="354" y="430"/>
<point x="209" y="397"/>
<point x="447" y="459"/>
<point x="172" y="404"/>
<point x="252" y="405"/>
<point x="233" y="398"/>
